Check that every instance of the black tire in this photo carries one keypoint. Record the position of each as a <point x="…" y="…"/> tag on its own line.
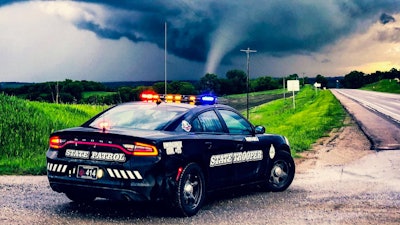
<point x="80" y="197"/>
<point x="281" y="172"/>
<point x="190" y="192"/>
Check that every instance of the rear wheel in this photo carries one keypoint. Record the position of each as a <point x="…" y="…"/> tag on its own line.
<point x="281" y="173"/>
<point x="80" y="197"/>
<point x="190" y="193"/>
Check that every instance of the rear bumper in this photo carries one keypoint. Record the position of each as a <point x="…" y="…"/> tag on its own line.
<point x="115" y="182"/>
<point x="136" y="194"/>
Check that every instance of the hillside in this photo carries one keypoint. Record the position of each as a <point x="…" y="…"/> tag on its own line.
<point x="387" y="85"/>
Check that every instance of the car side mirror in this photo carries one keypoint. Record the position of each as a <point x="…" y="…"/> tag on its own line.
<point x="259" y="129"/>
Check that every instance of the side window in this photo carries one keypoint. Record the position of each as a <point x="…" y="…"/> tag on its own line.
<point x="207" y="122"/>
<point x="196" y="126"/>
<point x="235" y="123"/>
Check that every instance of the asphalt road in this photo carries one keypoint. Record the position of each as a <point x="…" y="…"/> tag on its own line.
<point x="384" y="103"/>
<point x="340" y="182"/>
<point x="378" y="115"/>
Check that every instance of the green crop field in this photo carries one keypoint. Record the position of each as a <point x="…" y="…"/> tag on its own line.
<point x="25" y="126"/>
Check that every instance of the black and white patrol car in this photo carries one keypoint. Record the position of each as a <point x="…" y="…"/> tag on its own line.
<point x="174" y="152"/>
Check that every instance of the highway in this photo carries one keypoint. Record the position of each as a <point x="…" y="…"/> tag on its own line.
<point x="385" y="103"/>
<point x="377" y="114"/>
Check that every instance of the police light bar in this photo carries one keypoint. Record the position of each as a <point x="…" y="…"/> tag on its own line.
<point x="151" y="96"/>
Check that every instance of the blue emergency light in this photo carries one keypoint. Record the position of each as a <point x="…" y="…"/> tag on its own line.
<point x="207" y="100"/>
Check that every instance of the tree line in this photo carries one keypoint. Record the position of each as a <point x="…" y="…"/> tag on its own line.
<point x="72" y="91"/>
<point x="234" y="82"/>
<point x="67" y="91"/>
<point x="357" y="79"/>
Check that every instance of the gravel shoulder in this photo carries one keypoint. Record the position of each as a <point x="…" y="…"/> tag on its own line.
<point x="343" y="145"/>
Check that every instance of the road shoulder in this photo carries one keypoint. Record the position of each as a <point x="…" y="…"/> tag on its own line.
<point x="340" y="147"/>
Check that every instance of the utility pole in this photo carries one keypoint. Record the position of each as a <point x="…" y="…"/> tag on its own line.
<point x="284" y="89"/>
<point x="248" y="51"/>
<point x="165" y="59"/>
<point x="57" y="93"/>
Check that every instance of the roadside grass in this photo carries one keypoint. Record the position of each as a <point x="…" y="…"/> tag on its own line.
<point x="390" y="86"/>
<point x="25" y="127"/>
<point x="315" y="115"/>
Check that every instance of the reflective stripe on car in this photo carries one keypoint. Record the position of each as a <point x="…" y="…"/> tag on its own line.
<point x="124" y="174"/>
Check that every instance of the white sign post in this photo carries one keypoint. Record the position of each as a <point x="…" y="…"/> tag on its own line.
<point x="293" y="85"/>
<point x="317" y="85"/>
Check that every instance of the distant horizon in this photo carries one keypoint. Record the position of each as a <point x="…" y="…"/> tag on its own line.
<point x="141" y="81"/>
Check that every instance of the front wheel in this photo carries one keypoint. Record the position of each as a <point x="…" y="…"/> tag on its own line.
<point x="190" y="192"/>
<point x="281" y="173"/>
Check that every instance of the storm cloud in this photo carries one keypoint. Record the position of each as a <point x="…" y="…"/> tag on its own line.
<point x="210" y="33"/>
<point x="213" y="31"/>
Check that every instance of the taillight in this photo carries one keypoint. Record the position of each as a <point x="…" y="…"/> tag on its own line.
<point x="141" y="149"/>
<point x="56" y="142"/>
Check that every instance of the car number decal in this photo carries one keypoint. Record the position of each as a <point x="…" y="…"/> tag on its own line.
<point x="173" y="147"/>
<point x="236" y="157"/>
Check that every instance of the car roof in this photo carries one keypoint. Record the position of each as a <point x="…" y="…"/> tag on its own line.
<point x="181" y="106"/>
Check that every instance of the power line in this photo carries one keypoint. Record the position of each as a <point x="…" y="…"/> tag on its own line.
<point x="248" y="51"/>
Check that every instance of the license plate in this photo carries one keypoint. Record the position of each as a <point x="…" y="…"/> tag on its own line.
<point x="87" y="172"/>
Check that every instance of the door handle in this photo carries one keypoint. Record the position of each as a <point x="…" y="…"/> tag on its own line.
<point x="209" y="144"/>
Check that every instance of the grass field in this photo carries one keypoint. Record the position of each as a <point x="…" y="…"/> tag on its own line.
<point x="270" y="92"/>
<point x="25" y="126"/>
<point x="390" y="86"/>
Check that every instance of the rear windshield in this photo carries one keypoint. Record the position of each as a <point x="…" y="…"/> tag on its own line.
<point x="148" y="117"/>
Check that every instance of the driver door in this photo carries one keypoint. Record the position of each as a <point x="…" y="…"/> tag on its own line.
<point x="248" y="154"/>
<point x="216" y="145"/>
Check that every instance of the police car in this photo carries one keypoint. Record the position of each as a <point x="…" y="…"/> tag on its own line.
<point x="145" y="151"/>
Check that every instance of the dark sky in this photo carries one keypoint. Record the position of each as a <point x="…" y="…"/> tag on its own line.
<point x="124" y="40"/>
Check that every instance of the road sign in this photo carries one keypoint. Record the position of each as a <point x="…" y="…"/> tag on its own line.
<point x="293" y="85"/>
<point x="317" y="85"/>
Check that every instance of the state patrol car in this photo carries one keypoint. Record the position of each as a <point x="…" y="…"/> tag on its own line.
<point x="166" y="151"/>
